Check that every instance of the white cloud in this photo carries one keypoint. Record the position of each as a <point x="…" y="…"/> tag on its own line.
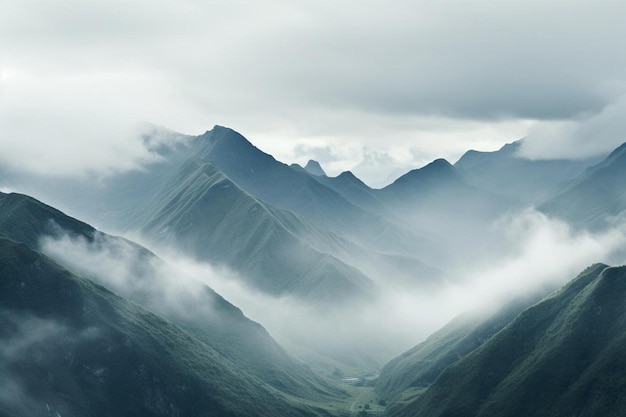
<point x="76" y="75"/>
<point x="540" y="254"/>
<point x="583" y="137"/>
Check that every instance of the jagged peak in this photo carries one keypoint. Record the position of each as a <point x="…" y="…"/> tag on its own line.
<point x="314" y="167"/>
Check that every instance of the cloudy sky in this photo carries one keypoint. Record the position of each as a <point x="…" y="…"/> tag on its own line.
<point x="367" y="85"/>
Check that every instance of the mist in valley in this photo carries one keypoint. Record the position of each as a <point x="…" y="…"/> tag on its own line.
<point x="536" y="255"/>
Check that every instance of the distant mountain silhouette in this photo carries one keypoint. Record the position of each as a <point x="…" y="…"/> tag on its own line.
<point x="509" y="174"/>
<point x="595" y="199"/>
<point x="314" y="167"/>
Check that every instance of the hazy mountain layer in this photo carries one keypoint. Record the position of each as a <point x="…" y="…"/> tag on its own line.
<point x="507" y="173"/>
<point x="438" y="199"/>
<point x="561" y="357"/>
<point x="597" y="198"/>
<point x="284" y="187"/>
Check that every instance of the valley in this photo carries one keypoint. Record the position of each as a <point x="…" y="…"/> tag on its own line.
<point x="224" y="282"/>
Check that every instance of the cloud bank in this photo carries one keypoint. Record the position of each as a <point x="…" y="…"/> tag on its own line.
<point x="437" y="78"/>
<point x="541" y="255"/>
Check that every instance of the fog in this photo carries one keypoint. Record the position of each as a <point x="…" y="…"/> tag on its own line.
<point x="25" y="341"/>
<point x="134" y="273"/>
<point x="542" y="254"/>
<point x="588" y="135"/>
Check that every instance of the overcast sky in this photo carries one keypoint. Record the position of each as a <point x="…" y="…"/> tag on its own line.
<point x="371" y="85"/>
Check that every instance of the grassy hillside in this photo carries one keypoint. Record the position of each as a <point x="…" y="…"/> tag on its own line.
<point x="73" y="348"/>
<point x="196" y="308"/>
<point x="284" y="187"/>
<point x="561" y="357"/>
<point x="25" y="219"/>
<point x="209" y="216"/>
<point x="415" y="370"/>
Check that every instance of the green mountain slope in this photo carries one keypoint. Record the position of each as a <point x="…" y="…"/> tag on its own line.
<point x="596" y="197"/>
<point x="415" y="370"/>
<point x="561" y="357"/>
<point x="196" y="308"/>
<point x="211" y="217"/>
<point x="70" y="347"/>
<point x="25" y="219"/>
<point x="284" y="187"/>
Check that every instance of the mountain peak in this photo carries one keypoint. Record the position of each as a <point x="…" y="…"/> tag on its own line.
<point x="435" y="173"/>
<point x="314" y="167"/>
<point x="439" y="163"/>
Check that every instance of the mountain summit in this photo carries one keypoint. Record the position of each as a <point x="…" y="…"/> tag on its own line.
<point x="314" y="168"/>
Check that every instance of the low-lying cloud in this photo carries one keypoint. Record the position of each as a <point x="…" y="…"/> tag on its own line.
<point x="132" y="272"/>
<point x="542" y="254"/>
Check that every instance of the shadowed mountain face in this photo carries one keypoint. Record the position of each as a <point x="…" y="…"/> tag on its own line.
<point x="145" y="279"/>
<point x="561" y="357"/>
<point x="506" y="173"/>
<point x="70" y="347"/>
<point x="597" y="198"/>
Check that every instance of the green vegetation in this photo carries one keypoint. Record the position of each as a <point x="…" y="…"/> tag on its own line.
<point x="89" y="352"/>
<point x="415" y="370"/>
<point x="561" y="357"/>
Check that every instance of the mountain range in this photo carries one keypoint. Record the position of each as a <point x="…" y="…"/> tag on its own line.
<point x="96" y="324"/>
<point x="235" y="343"/>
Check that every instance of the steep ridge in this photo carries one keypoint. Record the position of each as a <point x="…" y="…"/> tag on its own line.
<point x="211" y="217"/>
<point x="202" y="312"/>
<point x="561" y="357"/>
<point x="204" y="212"/>
<point x="597" y="198"/>
<point x="284" y="187"/>
<point x="506" y="173"/>
<point x="72" y="348"/>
